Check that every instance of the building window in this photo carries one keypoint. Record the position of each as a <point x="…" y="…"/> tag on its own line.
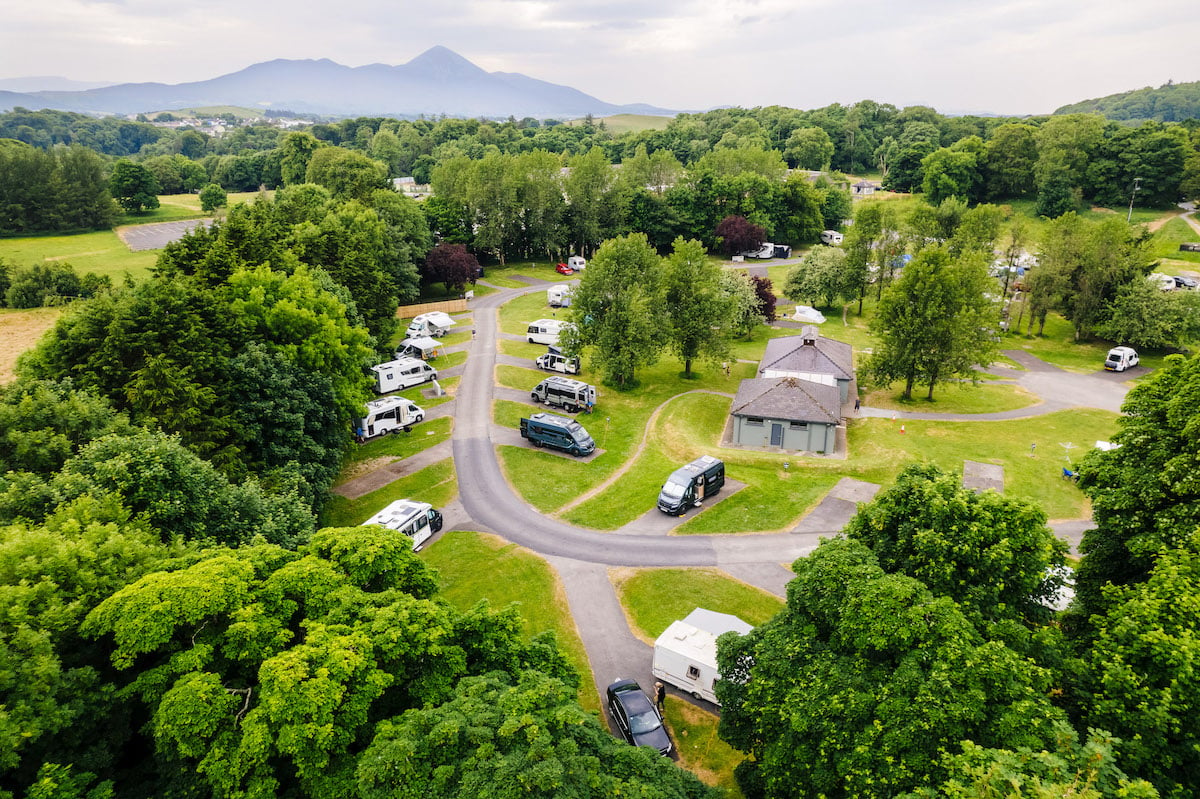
<point x="798" y="425"/>
<point x="754" y="421"/>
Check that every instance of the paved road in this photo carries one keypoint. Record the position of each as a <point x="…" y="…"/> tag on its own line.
<point x="156" y="235"/>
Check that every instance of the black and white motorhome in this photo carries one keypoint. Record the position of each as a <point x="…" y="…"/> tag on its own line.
<point x="388" y="415"/>
<point x="690" y="485"/>
<point x="417" y="520"/>
<point x="402" y="373"/>
<point x="555" y="361"/>
<point x="563" y="392"/>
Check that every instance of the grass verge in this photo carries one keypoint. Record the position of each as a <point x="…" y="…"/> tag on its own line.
<point x="653" y="598"/>
<point x="434" y="484"/>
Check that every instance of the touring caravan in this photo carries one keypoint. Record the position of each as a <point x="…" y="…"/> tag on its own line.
<point x="685" y="655"/>
<point x="434" y="323"/>
<point x="559" y="296"/>
<point x="417" y="520"/>
<point x="544" y="331"/>
<point x="831" y="237"/>
<point x="402" y="373"/>
<point x="563" y="392"/>
<point x="387" y="415"/>
<point x="577" y="263"/>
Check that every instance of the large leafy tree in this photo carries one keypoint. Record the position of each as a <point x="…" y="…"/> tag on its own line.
<point x="452" y="266"/>
<point x="349" y="175"/>
<point x="822" y="275"/>
<point x="617" y="309"/>
<point x="699" y="314"/>
<point x="736" y="234"/>
<point x="991" y="554"/>
<point x="510" y="739"/>
<point x="264" y="671"/>
<point x="858" y="686"/>
<point x="1146" y="493"/>
<point x="934" y="323"/>
<point x="134" y="187"/>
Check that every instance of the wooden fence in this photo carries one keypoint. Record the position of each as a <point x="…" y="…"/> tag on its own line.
<point x="447" y="306"/>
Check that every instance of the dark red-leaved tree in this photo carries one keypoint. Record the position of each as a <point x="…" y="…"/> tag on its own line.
<point x="452" y="266"/>
<point x="738" y="234"/>
<point x="765" y="291"/>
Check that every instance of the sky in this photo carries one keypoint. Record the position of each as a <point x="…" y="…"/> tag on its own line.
<point x="959" y="56"/>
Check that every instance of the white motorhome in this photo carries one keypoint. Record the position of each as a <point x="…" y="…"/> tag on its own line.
<point x="555" y="361"/>
<point x="434" y="323"/>
<point x="563" y="392"/>
<point x="402" y="373"/>
<point x="577" y="262"/>
<point x="417" y="520"/>
<point x="559" y="296"/>
<point x="831" y="237"/>
<point x="544" y="331"/>
<point x="387" y="415"/>
<point x="1120" y="358"/>
<point x="685" y="655"/>
<point x="422" y="347"/>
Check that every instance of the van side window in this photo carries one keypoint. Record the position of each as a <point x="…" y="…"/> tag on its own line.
<point x="693" y="673"/>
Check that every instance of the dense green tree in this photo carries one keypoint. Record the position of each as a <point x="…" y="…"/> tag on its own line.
<point x="991" y="554"/>
<point x="1142" y="315"/>
<point x="134" y="187"/>
<point x="947" y="172"/>
<point x="822" y="275"/>
<point x="43" y="424"/>
<point x="836" y="208"/>
<point x="264" y="671"/>
<point x="296" y="151"/>
<point x="589" y="190"/>
<point x="804" y="210"/>
<point x="1145" y="494"/>
<point x="347" y="174"/>
<point x="917" y="139"/>
<point x="1142" y="672"/>
<point x="934" y="323"/>
<point x="1008" y="161"/>
<point x="177" y="174"/>
<point x="809" y="148"/>
<point x="699" y="315"/>
<point x="212" y="197"/>
<point x="743" y="299"/>
<point x="510" y="739"/>
<point x="617" y="308"/>
<point x="859" y="685"/>
<point x="64" y="189"/>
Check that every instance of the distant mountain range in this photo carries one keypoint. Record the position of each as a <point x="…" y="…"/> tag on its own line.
<point x="439" y="81"/>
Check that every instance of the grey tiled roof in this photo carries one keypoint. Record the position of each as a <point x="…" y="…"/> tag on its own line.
<point x="824" y="356"/>
<point x="788" y="398"/>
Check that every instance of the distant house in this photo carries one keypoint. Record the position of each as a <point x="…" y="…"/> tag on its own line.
<point x="810" y="356"/>
<point x="786" y="412"/>
<point x="864" y="188"/>
<point x="410" y="187"/>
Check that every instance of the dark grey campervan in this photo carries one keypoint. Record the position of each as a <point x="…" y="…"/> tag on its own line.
<point x="689" y="485"/>
<point x="557" y="432"/>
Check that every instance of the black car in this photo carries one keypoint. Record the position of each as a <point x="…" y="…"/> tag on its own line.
<point x="1182" y="282"/>
<point x="637" y="717"/>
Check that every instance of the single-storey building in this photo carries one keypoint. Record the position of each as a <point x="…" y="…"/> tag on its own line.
<point x="864" y="188"/>
<point x="810" y="356"/>
<point x="786" y="412"/>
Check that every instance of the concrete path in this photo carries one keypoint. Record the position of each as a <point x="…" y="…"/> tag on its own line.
<point x="655" y="522"/>
<point x="836" y="509"/>
<point x="156" y="235"/>
<point x="979" y="476"/>
<point x="373" y="481"/>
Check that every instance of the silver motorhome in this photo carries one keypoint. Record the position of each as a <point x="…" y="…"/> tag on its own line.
<point x="417" y="520"/>
<point x="563" y="392"/>
<point x="387" y="415"/>
<point x="402" y="373"/>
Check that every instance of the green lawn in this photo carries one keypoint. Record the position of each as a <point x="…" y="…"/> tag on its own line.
<point x="100" y="252"/>
<point x="475" y="566"/>
<point x="393" y="447"/>
<point x="654" y="598"/>
<point x="954" y="398"/>
<point x="701" y="750"/>
<point x="1057" y="346"/>
<point x="1166" y="241"/>
<point x="434" y="484"/>
<point x="517" y="313"/>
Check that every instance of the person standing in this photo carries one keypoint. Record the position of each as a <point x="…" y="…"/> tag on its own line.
<point x="660" y="696"/>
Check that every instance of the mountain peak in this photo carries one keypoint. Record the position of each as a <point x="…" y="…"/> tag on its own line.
<point x="439" y="60"/>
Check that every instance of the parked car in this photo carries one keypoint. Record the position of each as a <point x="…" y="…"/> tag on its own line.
<point x="636" y="716"/>
<point x="1182" y="282"/>
<point x="563" y="269"/>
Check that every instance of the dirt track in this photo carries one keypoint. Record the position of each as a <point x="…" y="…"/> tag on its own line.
<point x="19" y="331"/>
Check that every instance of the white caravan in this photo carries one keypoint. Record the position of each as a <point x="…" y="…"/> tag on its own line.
<point x="577" y="262"/>
<point x="417" y="520"/>
<point x="831" y="237"/>
<point x="559" y="296"/>
<point x="545" y="331"/>
<point x="434" y="323"/>
<point x="402" y="373"/>
<point x="387" y="415"/>
<point x="685" y="655"/>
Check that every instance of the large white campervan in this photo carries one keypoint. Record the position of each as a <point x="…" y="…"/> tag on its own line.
<point x="402" y="373"/>
<point x="434" y="323"/>
<point x="685" y="655"/>
<point x="387" y="415"/>
<point x="544" y="331"/>
<point x="417" y="520"/>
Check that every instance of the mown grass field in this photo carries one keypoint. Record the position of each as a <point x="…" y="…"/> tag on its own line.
<point x="434" y="484"/>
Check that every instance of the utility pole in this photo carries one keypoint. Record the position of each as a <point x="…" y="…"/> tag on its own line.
<point x="1137" y="182"/>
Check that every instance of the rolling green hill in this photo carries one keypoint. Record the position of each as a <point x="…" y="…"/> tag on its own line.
<point x="1172" y="102"/>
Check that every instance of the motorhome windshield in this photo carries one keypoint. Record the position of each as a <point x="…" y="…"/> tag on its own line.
<point x="673" y="490"/>
<point x="581" y="437"/>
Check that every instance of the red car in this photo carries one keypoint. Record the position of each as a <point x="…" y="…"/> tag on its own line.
<point x="563" y="269"/>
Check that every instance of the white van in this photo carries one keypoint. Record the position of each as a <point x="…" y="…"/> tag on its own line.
<point x="544" y="331"/>
<point x="417" y="520"/>
<point x="831" y="237"/>
<point x="1120" y="358"/>
<point x="387" y="415"/>
<point x="402" y="373"/>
